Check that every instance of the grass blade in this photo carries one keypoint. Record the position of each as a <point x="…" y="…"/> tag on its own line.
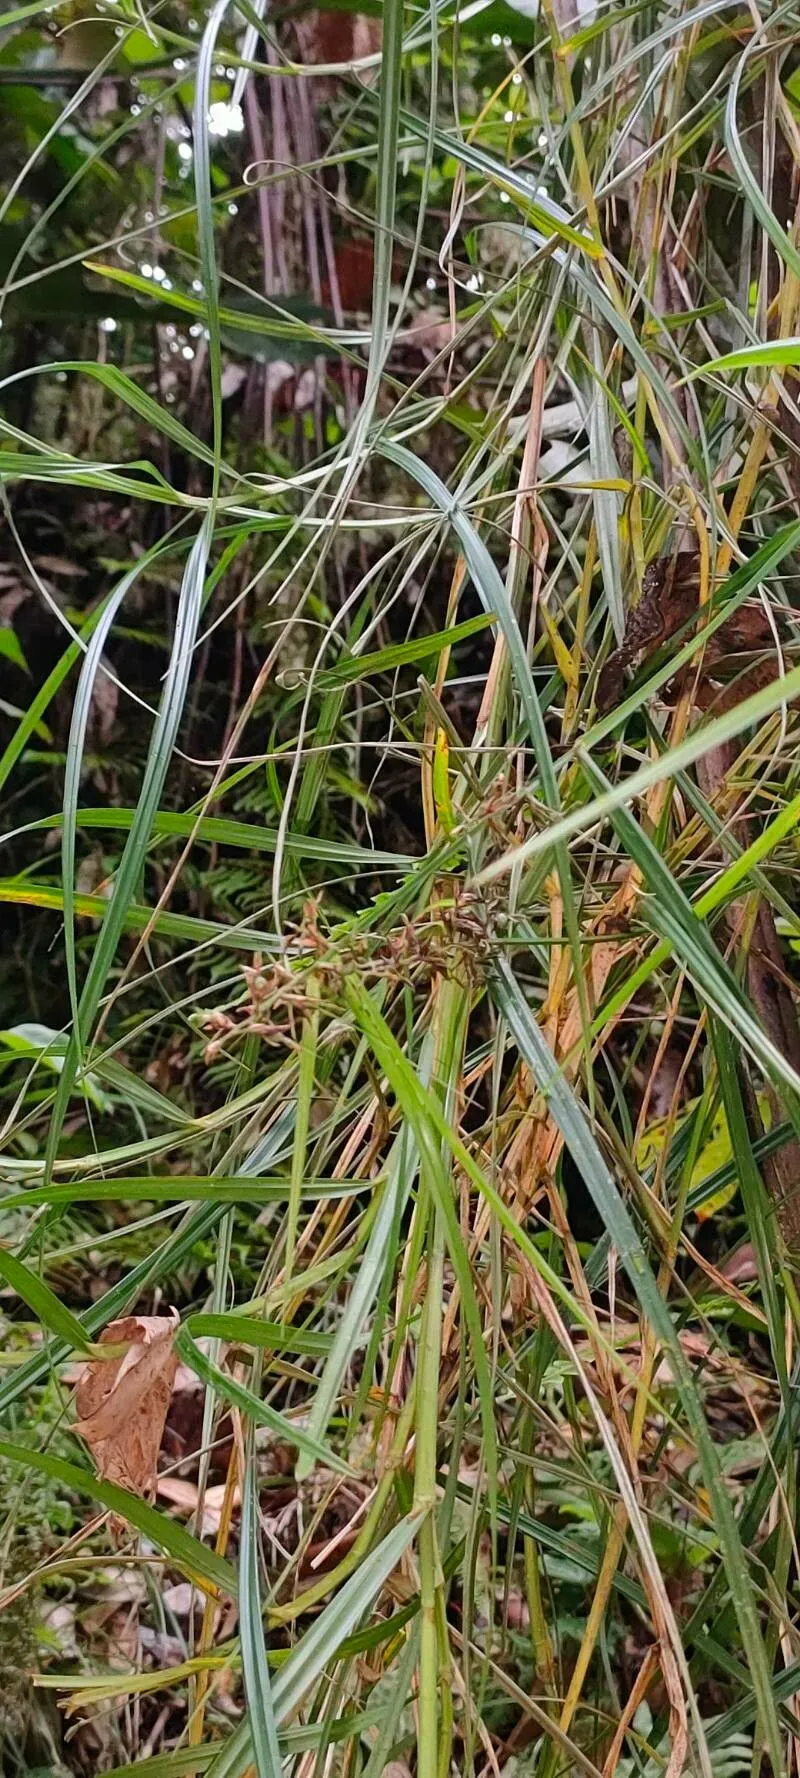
<point x="257" y="1686"/>
<point x="159" y="755"/>
<point x="202" y="1565"/>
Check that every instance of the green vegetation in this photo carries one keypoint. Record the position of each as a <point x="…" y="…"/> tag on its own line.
<point x="400" y="1053"/>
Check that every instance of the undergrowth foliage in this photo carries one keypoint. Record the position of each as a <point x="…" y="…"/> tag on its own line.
<point x="400" y="1063"/>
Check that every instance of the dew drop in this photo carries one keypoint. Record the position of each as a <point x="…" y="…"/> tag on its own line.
<point x="225" y="119"/>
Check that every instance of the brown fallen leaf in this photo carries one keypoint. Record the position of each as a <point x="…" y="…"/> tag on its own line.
<point x="122" y="1402"/>
<point x="668" y="601"/>
<point x="739" y="657"/>
<point x="430" y="330"/>
<point x="740" y="1267"/>
<point x="60" y="565"/>
<point x="185" y="1496"/>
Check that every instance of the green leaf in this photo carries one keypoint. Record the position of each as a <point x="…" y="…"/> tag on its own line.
<point x="126" y="391"/>
<point x="269" y="1336"/>
<point x="49" y="1046"/>
<point x="671" y="914"/>
<point x="181" y="1188"/>
<point x="73" y="773"/>
<point x="257" y="1687"/>
<point x="31" y="723"/>
<point x="172" y="1252"/>
<point x="318" y="1645"/>
<point x="588" y="1159"/>
<point x="185" y="1551"/>
<point x="11" y="648"/>
<point x="254" y="322"/>
<point x="760" y="352"/>
<point x="130" y="1087"/>
<point x="350" y="1333"/>
<point x="41" y="1299"/>
<point x="707" y="735"/>
<point x="540" y="210"/>
<point x="218" y="830"/>
<point x="256" y="1410"/>
<point x="398" y="654"/>
<point x="25" y="892"/>
<point x="161" y="745"/>
<point x="415" y="1102"/>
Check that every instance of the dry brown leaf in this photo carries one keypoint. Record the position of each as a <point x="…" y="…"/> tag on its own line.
<point x="741" y="1267"/>
<point x="122" y="1402"/>
<point x="103" y="709"/>
<point x="430" y="330"/>
<point x="182" y="1494"/>
<point x="742" y="649"/>
<point x="185" y="1496"/>
<point x="60" y="565"/>
<point x="669" y="600"/>
<point x="182" y="1599"/>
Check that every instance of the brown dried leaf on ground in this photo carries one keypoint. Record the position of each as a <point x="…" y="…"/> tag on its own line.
<point x="670" y="603"/>
<point x="186" y="1497"/>
<point x="122" y="1402"/>
<point x="741" y="1267"/>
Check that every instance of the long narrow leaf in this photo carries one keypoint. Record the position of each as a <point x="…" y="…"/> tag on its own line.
<point x="185" y="1551"/>
<point x="257" y="1686"/>
<point x="158" y="759"/>
<point x="600" y="1184"/>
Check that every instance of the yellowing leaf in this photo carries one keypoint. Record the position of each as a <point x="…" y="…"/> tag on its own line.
<point x="441" y="782"/>
<point x="715" y="1153"/>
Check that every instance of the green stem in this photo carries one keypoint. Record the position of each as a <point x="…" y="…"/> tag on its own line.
<point x="305" y="1090"/>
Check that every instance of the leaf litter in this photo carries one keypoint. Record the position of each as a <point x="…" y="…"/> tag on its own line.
<point x="122" y="1402"/>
